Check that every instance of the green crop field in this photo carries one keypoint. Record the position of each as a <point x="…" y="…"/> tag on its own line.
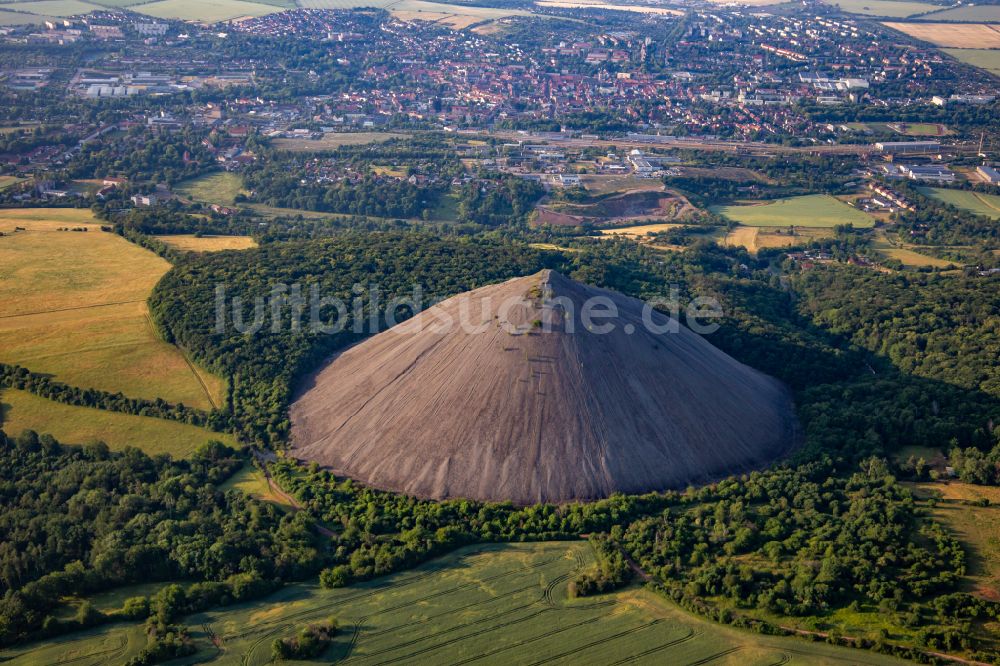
<point x="890" y="8"/>
<point x="972" y="14"/>
<point x="988" y="59"/>
<point x="494" y="604"/>
<point x="974" y="202"/>
<point x="73" y="305"/>
<point x="17" y="18"/>
<point x="814" y="210"/>
<point x="219" y="188"/>
<point x="52" y="7"/>
<point x="205" y="12"/>
<point x="81" y="425"/>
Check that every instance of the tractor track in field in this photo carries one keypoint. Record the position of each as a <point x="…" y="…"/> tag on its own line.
<point x="103" y="655"/>
<point x="712" y="657"/>
<point x="547" y="634"/>
<point x="659" y="648"/>
<point x="457" y="627"/>
<point x="456" y="610"/>
<point x="70" y="309"/>
<point x="271" y="628"/>
<point x="581" y="648"/>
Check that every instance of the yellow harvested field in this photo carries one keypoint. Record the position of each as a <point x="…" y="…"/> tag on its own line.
<point x="906" y="254"/>
<point x="759" y="238"/>
<point x="958" y="491"/>
<point x="73" y="305"/>
<point x="953" y="35"/>
<point x="193" y="243"/>
<point x="83" y="425"/>
<point x="587" y="4"/>
<point x="641" y="230"/>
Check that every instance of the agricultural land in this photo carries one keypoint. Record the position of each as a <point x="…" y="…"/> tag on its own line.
<point x="83" y="425"/>
<point x="953" y="35"/>
<point x="979" y="203"/>
<point x="483" y="604"/>
<point x="987" y="59"/>
<point x="817" y="210"/>
<point x="75" y="308"/>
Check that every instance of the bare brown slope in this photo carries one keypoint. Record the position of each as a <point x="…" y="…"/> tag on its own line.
<point x="523" y="413"/>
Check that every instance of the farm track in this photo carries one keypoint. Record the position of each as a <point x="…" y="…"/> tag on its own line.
<point x="70" y="309"/>
<point x="986" y="202"/>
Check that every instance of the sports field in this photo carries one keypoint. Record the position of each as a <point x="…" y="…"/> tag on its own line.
<point x="193" y="243"/>
<point x="888" y="8"/>
<point x="953" y="35"/>
<point x="974" y="202"/>
<point x="73" y="305"/>
<point x="220" y="187"/>
<point x="988" y="59"/>
<point x="813" y="210"/>
<point x="916" y="129"/>
<point x="205" y="12"/>
<point x="494" y="604"/>
<point x="81" y="425"/>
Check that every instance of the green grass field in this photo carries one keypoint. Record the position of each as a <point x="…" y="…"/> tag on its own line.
<point x="205" y="12"/>
<point x="978" y="527"/>
<point x="814" y="210"/>
<point x="73" y="305"/>
<point x="52" y="7"/>
<point x="7" y="181"/>
<point x="890" y="8"/>
<point x="334" y="140"/>
<point x="988" y="59"/>
<point x="974" y="202"/>
<point x="220" y="187"/>
<point x="81" y="425"/>
<point x="494" y="604"/>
